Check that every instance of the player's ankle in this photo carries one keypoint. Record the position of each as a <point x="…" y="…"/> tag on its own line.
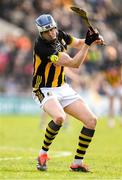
<point x="42" y="152"/>
<point x="77" y="161"/>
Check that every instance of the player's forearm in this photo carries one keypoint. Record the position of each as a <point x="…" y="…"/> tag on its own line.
<point x="77" y="43"/>
<point x="63" y="59"/>
<point x="78" y="59"/>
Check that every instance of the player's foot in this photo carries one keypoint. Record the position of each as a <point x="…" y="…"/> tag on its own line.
<point x="41" y="162"/>
<point x="82" y="167"/>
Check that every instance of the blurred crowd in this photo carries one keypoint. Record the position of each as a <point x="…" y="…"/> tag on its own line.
<point x="16" y="48"/>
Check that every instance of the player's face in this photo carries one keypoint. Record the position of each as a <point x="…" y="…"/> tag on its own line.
<point x="50" y="35"/>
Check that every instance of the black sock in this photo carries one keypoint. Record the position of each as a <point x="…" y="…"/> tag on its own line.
<point x="50" y="134"/>
<point x="84" y="141"/>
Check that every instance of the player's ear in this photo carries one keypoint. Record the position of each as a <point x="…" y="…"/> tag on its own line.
<point x="56" y="31"/>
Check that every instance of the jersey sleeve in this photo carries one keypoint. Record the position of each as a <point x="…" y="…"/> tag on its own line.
<point x="66" y="37"/>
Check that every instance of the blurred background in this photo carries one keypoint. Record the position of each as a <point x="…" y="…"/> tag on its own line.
<point x="17" y="36"/>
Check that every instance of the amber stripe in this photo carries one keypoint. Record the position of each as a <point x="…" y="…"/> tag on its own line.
<point x="36" y="64"/>
<point x="47" y="69"/>
<point x="57" y="73"/>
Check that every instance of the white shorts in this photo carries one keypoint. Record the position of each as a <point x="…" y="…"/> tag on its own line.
<point x="64" y="94"/>
<point x="114" y="91"/>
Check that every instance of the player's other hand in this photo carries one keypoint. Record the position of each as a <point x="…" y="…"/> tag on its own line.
<point x="100" y="40"/>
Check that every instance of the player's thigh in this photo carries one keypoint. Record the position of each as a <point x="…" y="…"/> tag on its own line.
<point x="80" y="111"/>
<point x="54" y="109"/>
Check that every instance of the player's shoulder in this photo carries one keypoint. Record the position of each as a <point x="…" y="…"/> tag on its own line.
<point x="40" y="48"/>
<point x="65" y="36"/>
<point x="38" y="41"/>
<point x="62" y="33"/>
<point x="39" y="44"/>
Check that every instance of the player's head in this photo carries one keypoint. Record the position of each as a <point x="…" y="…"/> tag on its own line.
<point x="45" y="23"/>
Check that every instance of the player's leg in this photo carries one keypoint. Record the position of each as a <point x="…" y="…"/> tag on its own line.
<point x="110" y="93"/>
<point x="80" y="111"/>
<point x="111" y="120"/>
<point x="54" y="109"/>
<point x="121" y="110"/>
<point x="119" y="94"/>
<point x="43" y="119"/>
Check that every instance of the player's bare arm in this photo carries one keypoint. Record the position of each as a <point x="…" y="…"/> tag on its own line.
<point x="65" y="60"/>
<point x="77" y="43"/>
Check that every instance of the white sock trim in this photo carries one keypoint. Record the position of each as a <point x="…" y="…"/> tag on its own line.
<point x="42" y="152"/>
<point x="78" y="161"/>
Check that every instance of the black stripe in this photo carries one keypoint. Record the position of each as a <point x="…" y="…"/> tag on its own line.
<point x="78" y="157"/>
<point x="54" y="126"/>
<point x="49" y="137"/>
<point x="45" y="149"/>
<point x="81" y="152"/>
<point x="83" y="145"/>
<point x="47" y="144"/>
<point x="50" y="76"/>
<point x="83" y="139"/>
<point x="87" y="132"/>
<point x="60" y="77"/>
<point x="53" y="134"/>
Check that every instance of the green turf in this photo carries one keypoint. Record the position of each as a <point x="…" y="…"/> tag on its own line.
<point x="21" y="139"/>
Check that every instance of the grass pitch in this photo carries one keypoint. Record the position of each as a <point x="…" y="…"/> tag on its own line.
<point x="21" y="138"/>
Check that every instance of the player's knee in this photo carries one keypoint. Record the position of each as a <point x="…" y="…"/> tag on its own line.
<point x="60" y="118"/>
<point x="92" y="123"/>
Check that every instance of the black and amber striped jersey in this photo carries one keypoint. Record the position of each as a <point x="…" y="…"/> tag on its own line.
<point x="46" y="73"/>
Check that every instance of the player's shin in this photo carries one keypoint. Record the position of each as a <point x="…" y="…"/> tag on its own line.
<point x="50" y="134"/>
<point x="84" y="140"/>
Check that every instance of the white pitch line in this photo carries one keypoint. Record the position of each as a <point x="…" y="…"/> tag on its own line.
<point x="56" y="154"/>
<point x="10" y="158"/>
<point x="17" y="149"/>
<point x="53" y="154"/>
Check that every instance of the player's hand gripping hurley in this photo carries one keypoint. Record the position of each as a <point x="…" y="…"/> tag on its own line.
<point x="84" y="16"/>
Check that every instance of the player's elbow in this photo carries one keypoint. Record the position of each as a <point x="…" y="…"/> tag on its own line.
<point x="76" y="65"/>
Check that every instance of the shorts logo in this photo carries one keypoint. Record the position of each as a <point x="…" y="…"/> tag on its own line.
<point x="49" y="93"/>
